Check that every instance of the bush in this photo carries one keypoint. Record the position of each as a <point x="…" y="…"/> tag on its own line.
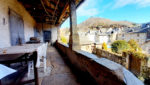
<point x="134" y="45"/>
<point x="104" y="46"/>
<point x="119" y="46"/>
<point x="63" y="39"/>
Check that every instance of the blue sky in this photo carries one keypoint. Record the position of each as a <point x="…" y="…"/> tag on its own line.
<point x="130" y="10"/>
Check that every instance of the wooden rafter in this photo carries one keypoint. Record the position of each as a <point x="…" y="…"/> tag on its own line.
<point x="52" y="9"/>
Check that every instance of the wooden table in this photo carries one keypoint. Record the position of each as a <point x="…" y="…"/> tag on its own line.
<point x="16" y="53"/>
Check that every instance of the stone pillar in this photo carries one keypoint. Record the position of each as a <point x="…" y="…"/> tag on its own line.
<point x="58" y="33"/>
<point x="74" y="42"/>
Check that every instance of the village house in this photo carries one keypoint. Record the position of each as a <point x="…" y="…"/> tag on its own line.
<point x="141" y="35"/>
<point x="102" y="35"/>
<point x="96" y="37"/>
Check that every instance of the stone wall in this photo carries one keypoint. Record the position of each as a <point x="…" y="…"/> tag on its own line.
<point x="139" y="66"/>
<point x="104" y="71"/>
<point x="111" y="56"/>
<point x="146" y="47"/>
<point x="88" y="47"/>
<point x="29" y="22"/>
<point x="136" y="65"/>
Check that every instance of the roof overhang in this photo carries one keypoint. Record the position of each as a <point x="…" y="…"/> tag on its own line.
<point x="53" y="12"/>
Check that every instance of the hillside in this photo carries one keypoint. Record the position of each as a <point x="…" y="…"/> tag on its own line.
<point x="104" y="23"/>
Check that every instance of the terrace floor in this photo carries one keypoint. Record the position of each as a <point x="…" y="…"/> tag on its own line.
<point x="62" y="72"/>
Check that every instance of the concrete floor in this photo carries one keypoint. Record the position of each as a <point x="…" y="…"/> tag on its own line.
<point x="60" y="73"/>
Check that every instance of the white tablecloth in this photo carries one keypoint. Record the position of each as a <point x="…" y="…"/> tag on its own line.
<point x="41" y="49"/>
<point x="4" y="71"/>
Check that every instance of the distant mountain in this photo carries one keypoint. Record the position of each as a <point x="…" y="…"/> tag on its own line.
<point x="104" y="23"/>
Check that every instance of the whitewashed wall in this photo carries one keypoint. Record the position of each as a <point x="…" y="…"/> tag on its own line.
<point x="46" y="27"/>
<point x="29" y="22"/>
<point x="103" y="39"/>
<point x="91" y="37"/>
<point x="53" y="35"/>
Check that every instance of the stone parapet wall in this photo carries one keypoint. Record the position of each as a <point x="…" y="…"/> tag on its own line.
<point x="104" y="71"/>
<point x="137" y="66"/>
<point x="111" y="56"/>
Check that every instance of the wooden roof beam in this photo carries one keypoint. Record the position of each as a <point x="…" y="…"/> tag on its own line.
<point x="47" y="3"/>
<point x="66" y="7"/>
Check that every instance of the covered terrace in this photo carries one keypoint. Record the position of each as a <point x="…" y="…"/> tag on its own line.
<point x="25" y="26"/>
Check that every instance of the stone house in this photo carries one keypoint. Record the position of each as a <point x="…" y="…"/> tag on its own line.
<point x="146" y="25"/>
<point x="97" y="37"/>
<point x="146" y="47"/>
<point x="142" y="36"/>
<point x="101" y="38"/>
<point x="139" y="37"/>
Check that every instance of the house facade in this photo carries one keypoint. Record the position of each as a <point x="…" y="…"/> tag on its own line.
<point x="141" y="36"/>
<point x="146" y="47"/>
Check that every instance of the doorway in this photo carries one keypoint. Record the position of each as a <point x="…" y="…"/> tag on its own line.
<point x="16" y="26"/>
<point x="47" y="36"/>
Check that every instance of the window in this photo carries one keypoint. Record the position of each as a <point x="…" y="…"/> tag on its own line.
<point x="122" y="35"/>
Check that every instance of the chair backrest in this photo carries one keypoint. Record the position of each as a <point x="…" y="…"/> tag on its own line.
<point x="45" y="49"/>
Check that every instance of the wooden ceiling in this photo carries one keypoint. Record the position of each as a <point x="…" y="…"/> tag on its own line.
<point x="53" y="12"/>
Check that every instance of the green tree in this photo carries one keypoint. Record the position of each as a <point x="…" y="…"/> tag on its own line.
<point x="104" y="46"/>
<point x="119" y="46"/>
<point x="134" y="45"/>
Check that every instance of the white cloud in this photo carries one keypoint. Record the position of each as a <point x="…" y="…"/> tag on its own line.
<point x="88" y="8"/>
<point x="140" y="3"/>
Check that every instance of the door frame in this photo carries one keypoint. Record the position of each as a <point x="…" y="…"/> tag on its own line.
<point x="18" y="15"/>
<point x="44" y="35"/>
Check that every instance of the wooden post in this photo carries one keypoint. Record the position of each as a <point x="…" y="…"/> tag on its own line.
<point x="74" y="37"/>
<point x="0" y="82"/>
<point x="36" y="77"/>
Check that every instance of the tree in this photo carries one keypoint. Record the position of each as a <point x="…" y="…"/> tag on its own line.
<point x="104" y="46"/>
<point x="119" y="46"/>
<point x="134" y="45"/>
